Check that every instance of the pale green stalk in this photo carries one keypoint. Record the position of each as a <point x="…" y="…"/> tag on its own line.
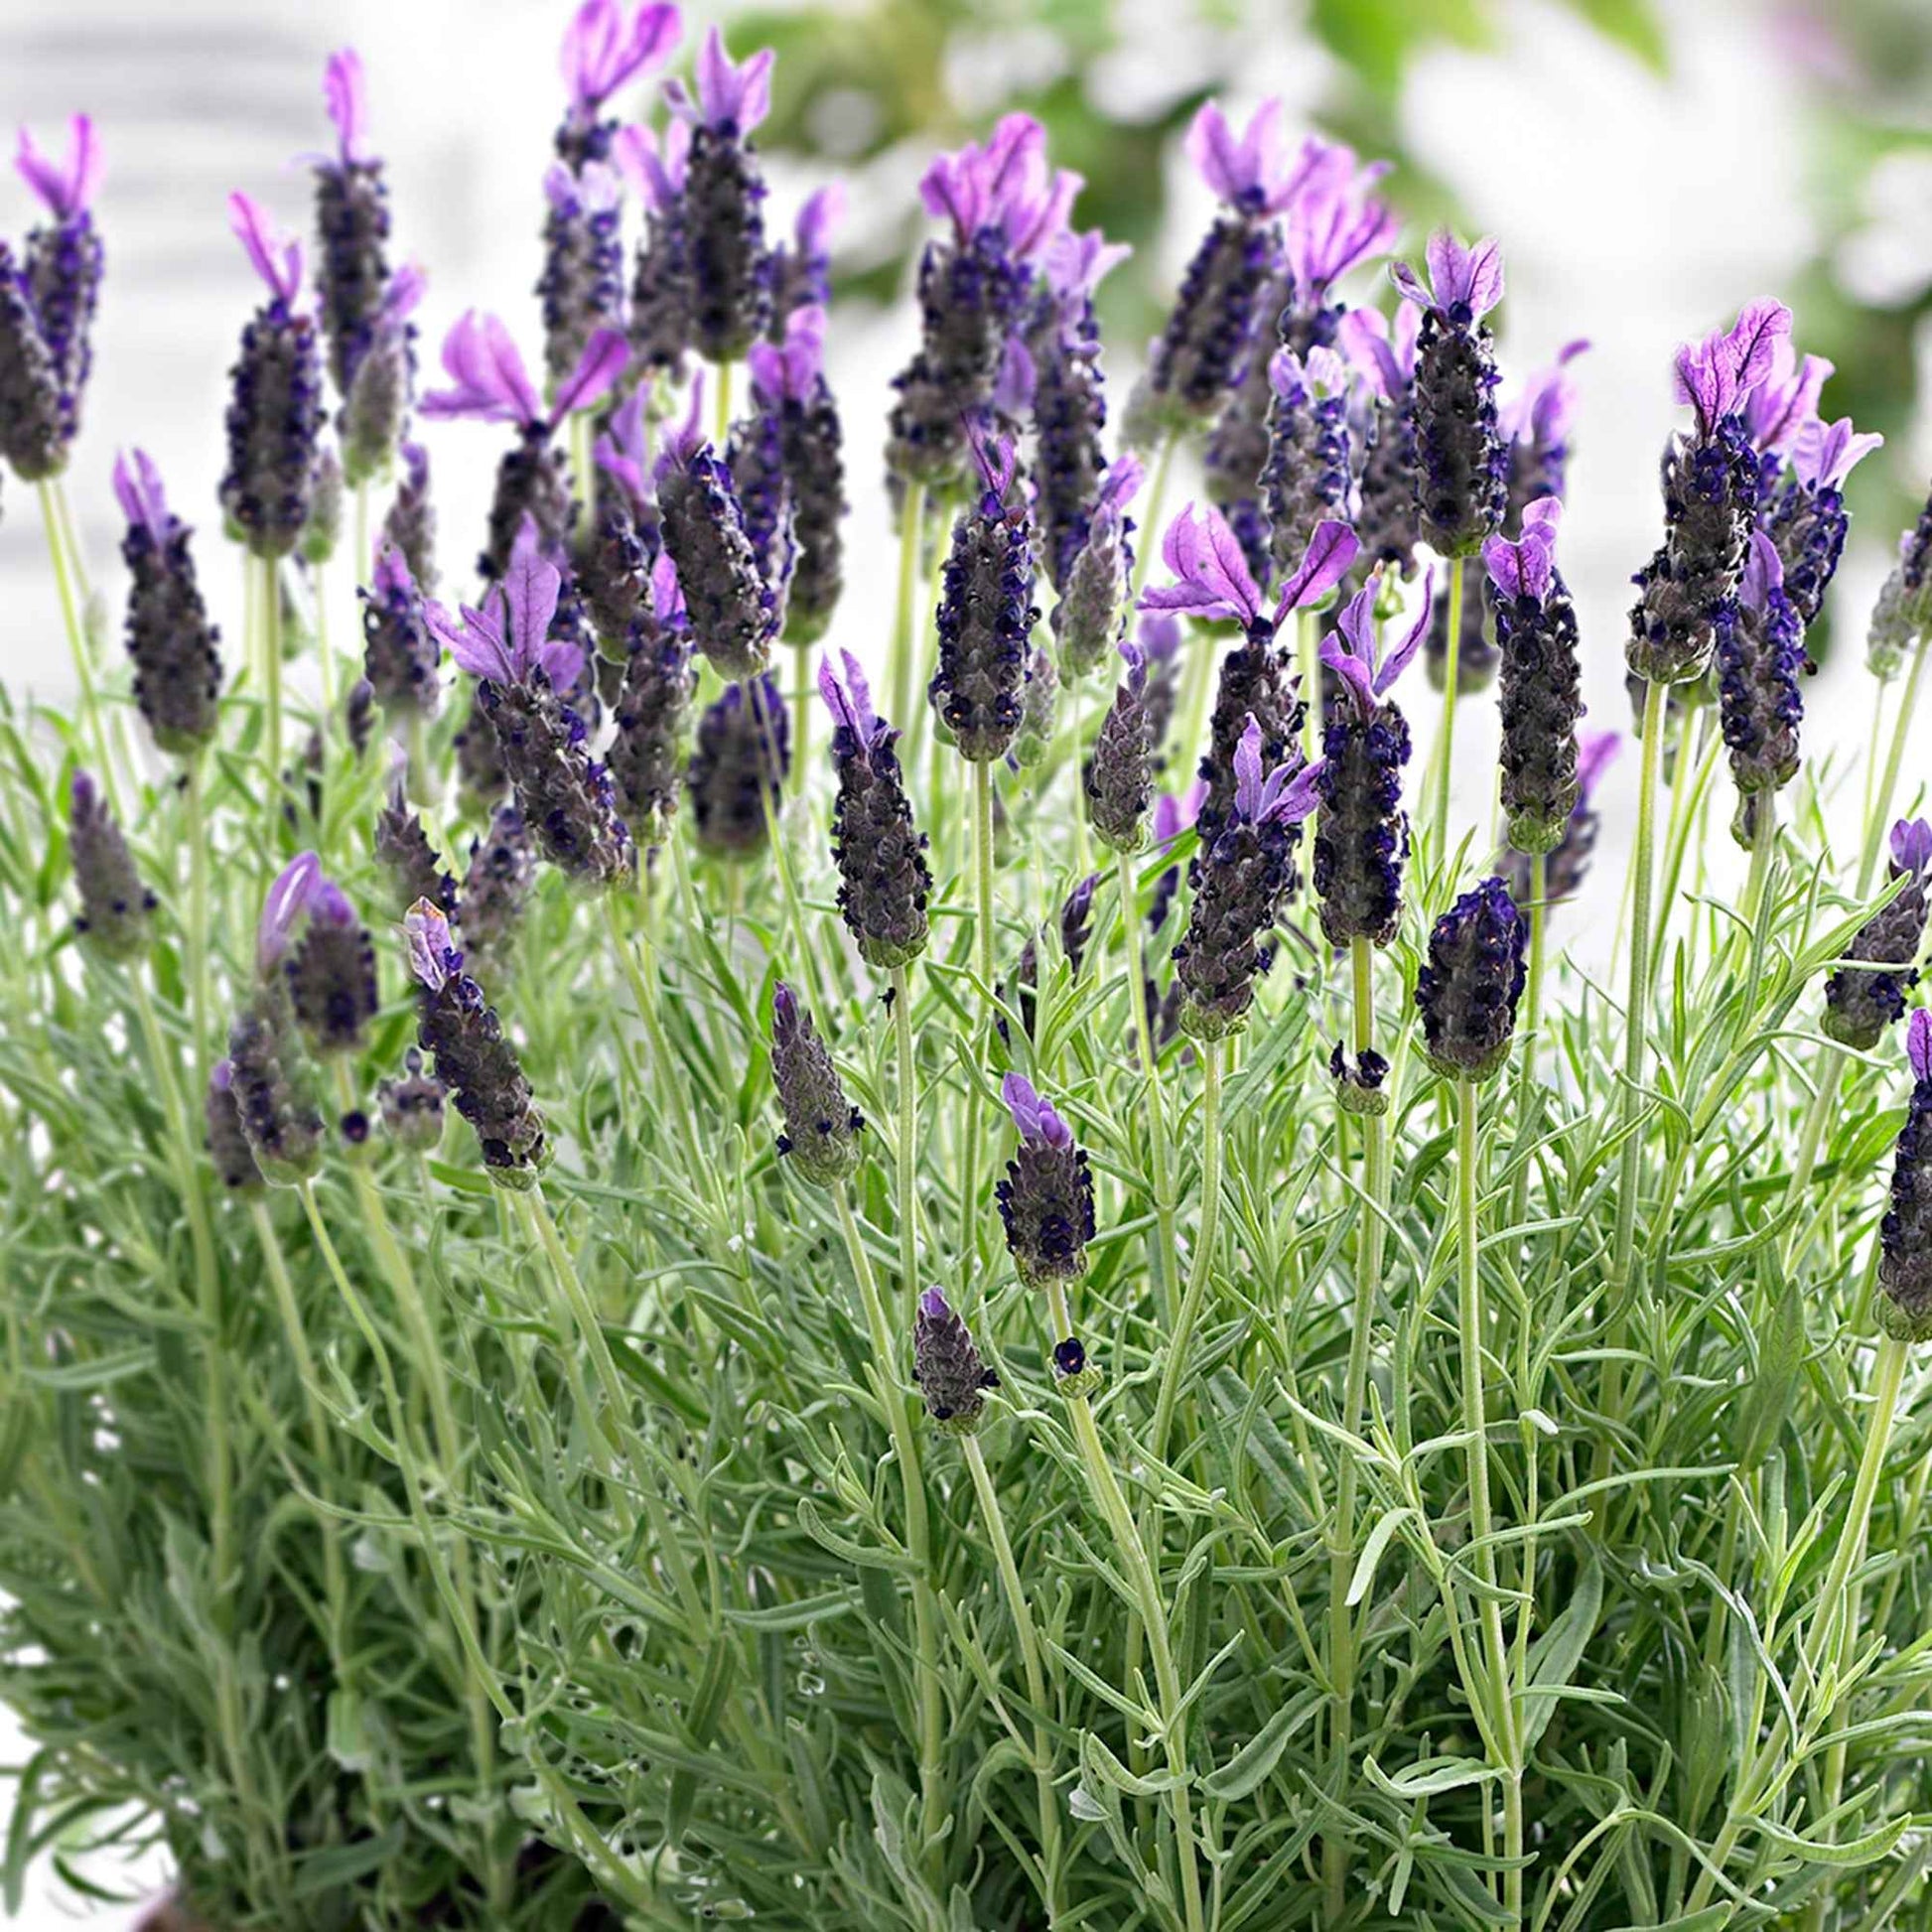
<point x="269" y="599"/>
<point x="905" y="1178"/>
<point x="1156" y="496"/>
<point x="801" y="719"/>
<point x="1875" y="824"/>
<point x="83" y="667"/>
<point x="197" y="963"/>
<point x="1538" y="913"/>
<point x="912" y="515"/>
<point x="1180" y="1342"/>
<point x="1443" y="757"/>
<point x="722" y="422"/>
<point x="1164" y="1199"/>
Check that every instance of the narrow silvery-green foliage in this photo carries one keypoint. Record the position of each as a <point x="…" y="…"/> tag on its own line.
<point x="964" y="1342"/>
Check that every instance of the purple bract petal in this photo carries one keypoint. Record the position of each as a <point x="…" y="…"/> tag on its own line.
<point x="345" y="97"/>
<point x="1785" y="398"/>
<point x="1464" y="283"/>
<point x="1076" y="264"/>
<point x="1714" y="375"/>
<point x="731" y="95"/>
<point x="1919" y="1044"/>
<point x="69" y="188"/>
<point x="292" y="895"/>
<point x="1397" y="661"/>
<point x="137" y="487"/>
<point x="655" y="168"/>
<point x="1331" y="551"/>
<point x="791" y="373"/>
<point x="1212" y="577"/>
<point x="1824" y="454"/>
<point x="1247" y="770"/>
<point x="277" y="257"/>
<point x="488" y="383"/>
<point x="475" y="638"/>
<point x="595" y="374"/>
<point x="1333" y="224"/>
<point x="1763" y="573"/>
<point x="1032" y="1114"/>
<point x="1911" y="846"/>
<point x="820" y="213"/>
<point x="600" y="55"/>
<point x="431" y="947"/>
<point x="849" y="697"/>
<point x="1594" y="752"/>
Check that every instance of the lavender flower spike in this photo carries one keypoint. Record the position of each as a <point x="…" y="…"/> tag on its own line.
<point x="801" y="423"/>
<point x="272" y="1091"/>
<point x="737" y="776"/>
<point x="177" y="668"/>
<point x="1565" y="867"/>
<point x="1047" y="1199"/>
<point x="947" y="1366"/>
<point x="1760" y="658"/>
<point x="1462" y="466"/>
<point x="1305" y="478"/>
<point x="457" y="1026"/>
<point x="228" y="1146"/>
<point x="1862" y="1002"/>
<point x="647" y="755"/>
<point x="801" y="272"/>
<point x="1119" y="779"/>
<point x="1541" y="697"/>
<point x="400" y="653"/>
<point x="274" y="417"/>
<point x="1807" y="519"/>
<point x="1385" y="357"/>
<point x="1905" y="1233"/>
<point x="114" y="904"/>
<point x="64" y="260"/>
<point x="884" y="880"/>
<point x="602" y="53"/>
<point x="724" y="193"/>
<point x="353" y="219"/>
<point x="1466" y="992"/>
<point x="1092" y="612"/>
<point x="581" y="284"/>
<point x="1711" y="487"/>
<point x="1361" y="836"/>
<point x="822" y="1129"/>
<point x="331" y="973"/>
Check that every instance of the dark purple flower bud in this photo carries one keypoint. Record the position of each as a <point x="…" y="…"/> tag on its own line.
<point x="755" y="461"/>
<point x="273" y="1092"/>
<point x="566" y="796"/>
<point x="1241" y="880"/>
<point x="114" y="904"/>
<point x="226" y="1142"/>
<point x="1760" y="658"/>
<point x="407" y="858"/>
<point x="473" y="1060"/>
<point x="1807" y="519"/>
<point x="1119" y="777"/>
<point x="884" y="880"/>
<point x="581" y="284"/>
<point x="33" y="416"/>
<point x="822" y="1127"/>
<point x="1541" y="699"/>
<point x="376" y="412"/>
<point x="410" y="521"/>
<point x="724" y="193"/>
<point x="739" y="767"/>
<point x="1467" y="990"/>
<point x="331" y="973"/>
<point x="660" y="284"/>
<point x="1461" y="466"/>
<point x="412" y="1107"/>
<point x="496" y="887"/>
<point x="479" y="759"/>
<point x="274" y="419"/>
<point x="650" y="713"/>
<point x="1905" y="1233"/>
<point x="734" y="609"/>
<point x="1862" y="1002"/>
<point x="612" y="559"/>
<point x="602" y="53"/>
<point x="1005" y="209"/>
<point x="800" y="272"/>
<point x="353" y="222"/>
<point x="358" y="715"/>
<point x="400" y="654"/>
<point x="986" y="614"/>
<point x="1304" y="482"/>
<point x="1563" y="868"/>
<point x="1359" y="1082"/>
<point x="1712" y="485"/>
<point x="1077" y="922"/>
<point x="1046" y="1199"/>
<point x="1069" y="407"/>
<point x="177" y="668"/>
<point x="1385" y="357"/>
<point x="1092" y="614"/>
<point x="948" y="1367"/>
<point x="789" y="384"/>
<point x="1361" y="837"/>
<point x="63" y="261"/>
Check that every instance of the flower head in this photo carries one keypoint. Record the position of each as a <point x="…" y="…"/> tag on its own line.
<point x="1003" y="187"/>
<point x="289" y="900"/>
<point x="65" y="189"/>
<point x="822" y="1131"/>
<point x="509" y="637"/>
<point x="1333" y="222"/>
<point x="1716" y="374"/>
<point x="489" y="385"/>
<point x="1464" y="281"/>
<point x="1034" y="1117"/>
<point x="1285" y="797"/>
<point x="1824" y="454"/>
<point x="731" y="97"/>
<point x="947" y="1366"/>
<point x="344" y="97"/>
<point x="276" y="255"/>
<point x="1468" y="991"/>
<point x="1785" y="397"/>
<point x="601" y="53"/>
<point x="1352" y="653"/>
<point x="791" y="371"/>
<point x="1252" y="171"/>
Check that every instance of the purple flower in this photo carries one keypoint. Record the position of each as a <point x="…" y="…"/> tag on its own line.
<point x="1536" y="425"/>
<point x="330" y="971"/>
<point x="1784" y="398"/>
<point x="1353" y="651"/>
<point x="801" y="272"/>
<point x="821" y="1136"/>
<point x="1385" y="357"/>
<point x="1540" y="699"/>
<point x="275" y="254"/>
<point x="1466" y="992"/>
<point x="947" y="1366"/>
<point x="177" y="668"/>
<point x="1092" y="610"/>
<point x="1001" y="188"/>
<point x="601" y="53"/>
<point x="1253" y="170"/>
<point x="1716" y="374"/>
<point x="1760" y="655"/>
<point x="885" y="882"/>
<point x="489" y="385"/>
<point x="400" y="651"/>
<point x="1047" y="1199"/>
<point x="1034" y="1117"/>
<point x="581" y="284"/>
<point x="1824" y="454"/>
<point x="737" y="774"/>
<point x="1333" y="224"/>
<point x="1464" y="282"/>
<point x="65" y="189"/>
<point x="352" y="276"/>
<point x="731" y="97"/>
<point x="115" y="905"/>
<point x="59" y="277"/>
<point x="1285" y="797"/>
<point x="509" y="637"/>
<point x="1862" y="1002"/>
<point x="286" y="904"/>
<point x="1305" y="477"/>
<point x="1905" y="1233"/>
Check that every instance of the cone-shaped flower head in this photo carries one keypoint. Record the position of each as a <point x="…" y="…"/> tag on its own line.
<point x="1712" y="485"/>
<point x="228" y="1146"/>
<point x="177" y="667"/>
<point x="1005" y="210"/>
<point x="604" y="52"/>
<point x="1040" y="706"/>
<point x="406" y="858"/>
<point x="582" y="283"/>
<point x="1541" y="697"/>
<point x="410" y="521"/>
<point x="565" y="795"/>
<point x="57" y="290"/>
<point x="1807" y="519"/>
<point x="352" y="227"/>
<point x="653" y="711"/>
<point x="734" y="599"/>
<point x="400" y="653"/>
<point x="114" y="904"/>
<point x="1462" y="466"/>
<point x="459" y="1029"/>
<point x="274" y="416"/>
<point x="1241" y="880"/>
<point x="1119" y="779"/>
<point x="1905" y="1233"/>
<point x="738" y="770"/>
<point x="329" y="965"/>
<point x="1361" y="836"/>
<point x="723" y="214"/>
<point x="1384" y="356"/>
<point x="1092" y="610"/>
<point x="801" y="419"/>
<point x="412" y="1107"/>
<point x="1047" y="1197"/>
<point x="822" y="1131"/>
<point x="1904" y="611"/>
<point x="1466" y="991"/>
<point x="946" y="1365"/>
<point x="884" y="880"/>
<point x="1862" y="1002"/>
<point x="1305" y="478"/>
<point x="495" y="893"/>
<point x="270" y="1083"/>
<point x="660" y="283"/>
<point x="800" y="270"/>
<point x="1536" y="424"/>
<point x="1565" y="865"/>
<point x="1760" y="658"/>
<point x="986" y="612"/>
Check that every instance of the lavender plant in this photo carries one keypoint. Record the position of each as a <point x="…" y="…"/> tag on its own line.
<point x="859" y="1369"/>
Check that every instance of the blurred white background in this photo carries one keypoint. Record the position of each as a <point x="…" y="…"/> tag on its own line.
<point x="1634" y="209"/>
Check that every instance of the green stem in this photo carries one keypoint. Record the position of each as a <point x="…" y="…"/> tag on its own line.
<point x="1307" y="637"/>
<point x="1168" y="1257"/>
<point x="325" y="657"/>
<point x="1874" y="825"/>
<point x="1539" y="917"/>
<point x="1445" y="758"/>
<point x="197" y="937"/>
<point x="919" y="1529"/>
<point x="801" y="719"/>
<point x="1028" y="1639"/>
<point x="360" y="564"/>
<point x="1341" y="1565"/>
<point x="907" y="1150"/>
<point x="1156" y="496"/>
<point x="1476" y="1427"/>
<point x="911" y="516"/>
<point x="722" y="422"/>
<point x="982" y="877"/>
<point x="83" y="667"/>
<point x="270" y="601"/>
<point x="1181" y="1341"/>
